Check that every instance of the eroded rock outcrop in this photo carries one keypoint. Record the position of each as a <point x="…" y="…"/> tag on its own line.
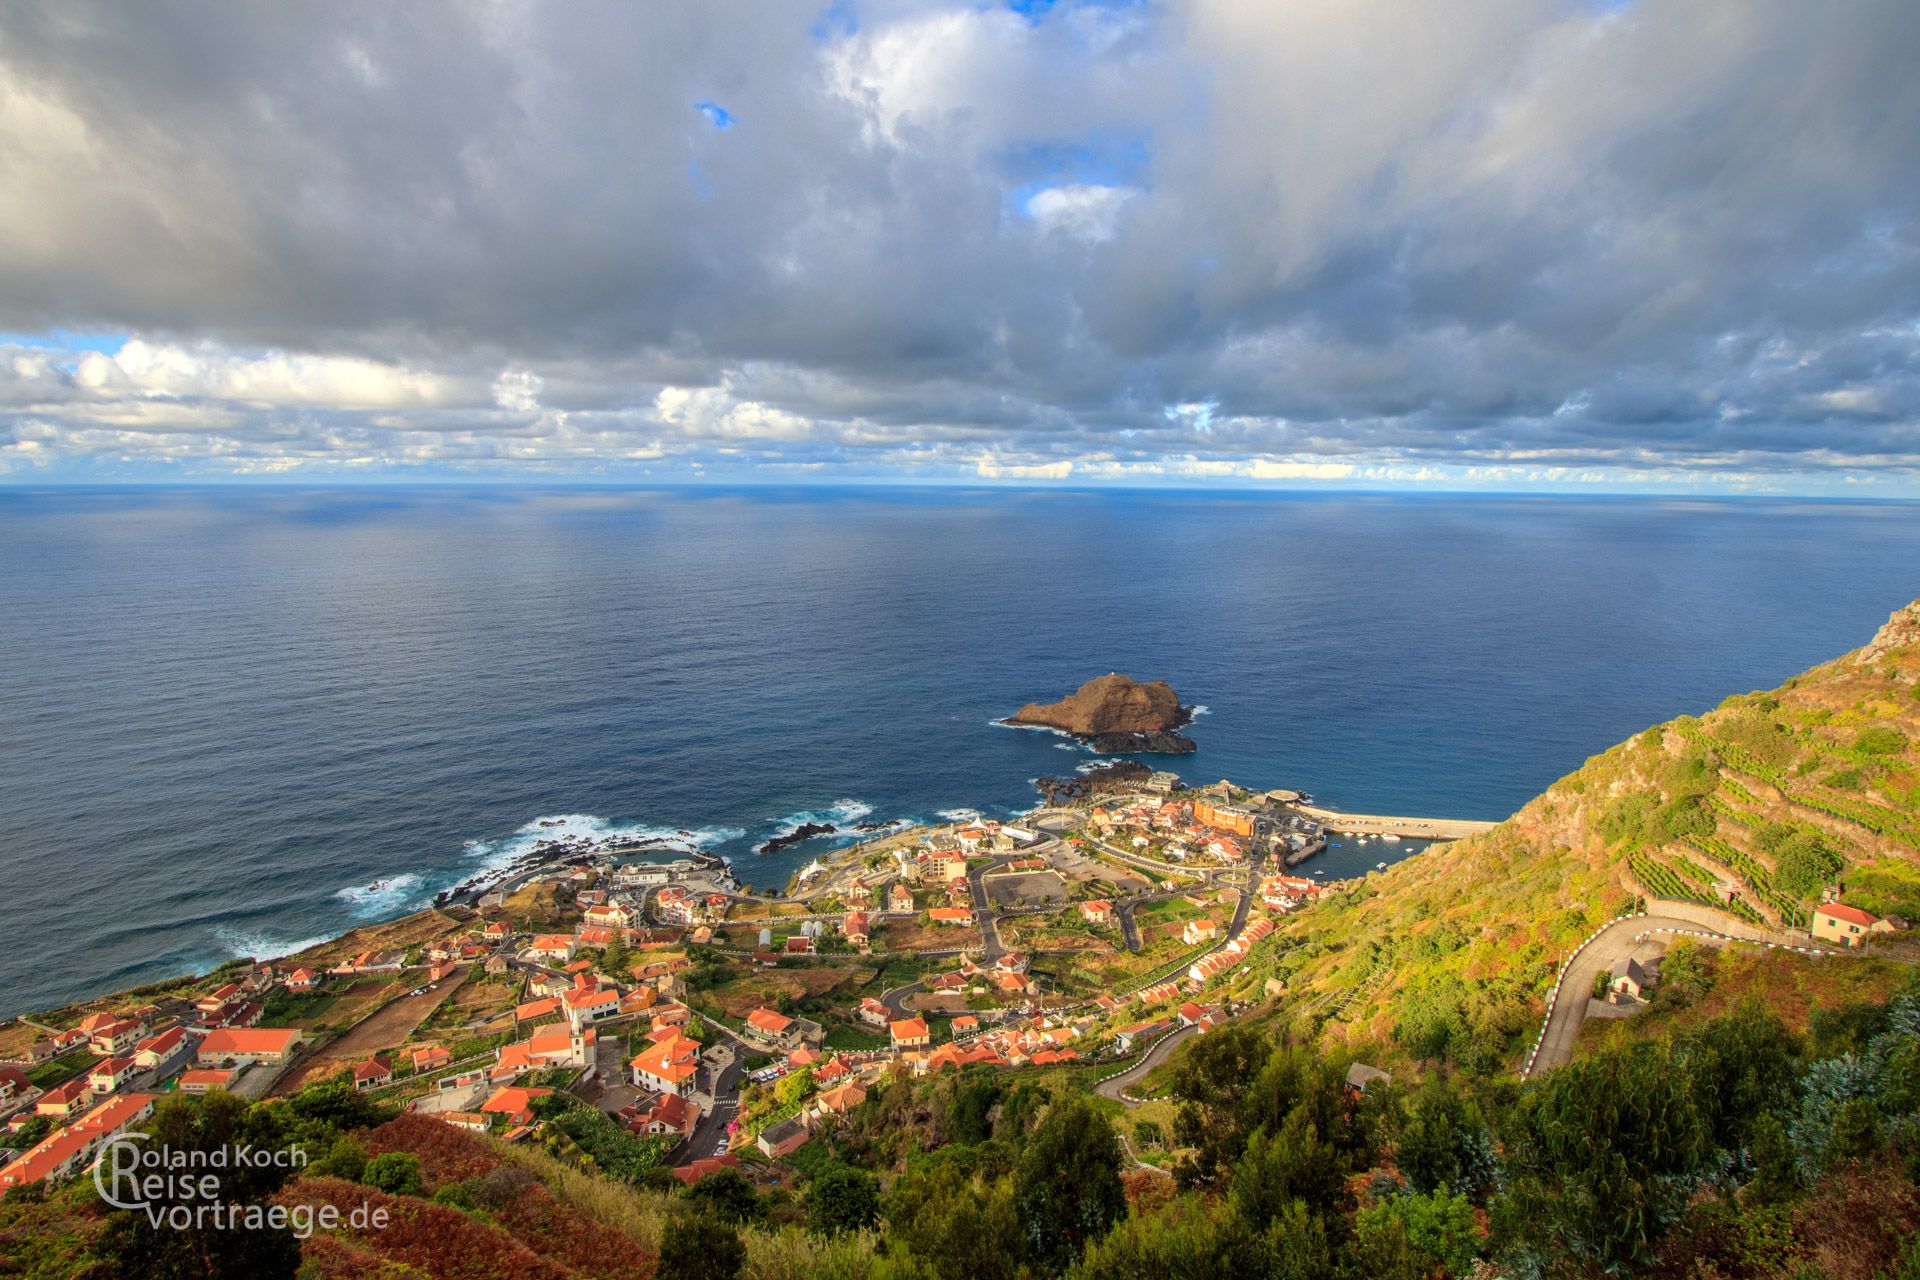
<point x="1901" y="632"/>
<point x="1117" y="715"/>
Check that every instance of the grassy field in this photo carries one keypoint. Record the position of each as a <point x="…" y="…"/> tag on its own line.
<point x="748" y="990"/>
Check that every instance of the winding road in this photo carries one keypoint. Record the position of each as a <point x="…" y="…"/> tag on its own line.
<point x="1113" y="1086"/>
<point x="1610" y="944"/>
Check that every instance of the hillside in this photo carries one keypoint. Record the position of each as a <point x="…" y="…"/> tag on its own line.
<point x="1762" y="1118"/>
<point x="1768" y="798"/>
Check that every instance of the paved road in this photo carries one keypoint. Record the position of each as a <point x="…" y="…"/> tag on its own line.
<point x="1616" y="940"/>
<point x="896" y="998"/>
<point x="1165" y="1045"/>
<point x="1387" y="824"/>
<point x="712" y="1126"/>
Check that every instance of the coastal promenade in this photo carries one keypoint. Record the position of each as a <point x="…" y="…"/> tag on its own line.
<point x="1375" y="824"/>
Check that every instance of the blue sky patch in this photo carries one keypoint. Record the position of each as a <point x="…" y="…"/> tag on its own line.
<point x="66" y="340"/>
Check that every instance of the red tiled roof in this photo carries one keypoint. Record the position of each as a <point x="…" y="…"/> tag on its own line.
<point x="769" y="1021"/>
<point x="235" y="1040"/>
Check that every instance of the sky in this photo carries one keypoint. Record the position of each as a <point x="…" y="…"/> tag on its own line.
<point x="1660" y="245"/>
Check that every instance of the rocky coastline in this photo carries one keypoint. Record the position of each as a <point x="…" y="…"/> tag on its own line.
<point x="1118" y="776"/>
<point x="799" y="835"/>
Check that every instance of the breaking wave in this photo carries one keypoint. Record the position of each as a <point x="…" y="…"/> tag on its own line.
<point x="262" y="947"/>
<point x="383" y="897"/>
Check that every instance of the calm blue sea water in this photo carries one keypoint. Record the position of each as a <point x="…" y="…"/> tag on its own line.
<point x="225" y="711"/>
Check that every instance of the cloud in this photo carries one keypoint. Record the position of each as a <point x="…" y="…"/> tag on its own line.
<point x="1082" y="210"/>
<point x="1226" y="241"/>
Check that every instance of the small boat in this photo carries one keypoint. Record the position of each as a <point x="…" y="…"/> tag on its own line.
<point x="1391" y="839"/>
<point x="1379" y="866"/>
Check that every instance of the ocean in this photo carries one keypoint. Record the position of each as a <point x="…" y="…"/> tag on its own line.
<point x="226" y="712"/>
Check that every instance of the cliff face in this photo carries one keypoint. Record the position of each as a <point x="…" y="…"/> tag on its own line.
<point x="1110" y="704"/>
<point x="1901" y="632"/>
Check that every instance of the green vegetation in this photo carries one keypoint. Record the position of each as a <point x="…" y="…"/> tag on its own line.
<point x="600" y="1142"/>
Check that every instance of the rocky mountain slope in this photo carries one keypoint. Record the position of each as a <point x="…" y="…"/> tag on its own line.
<point x="1756" y="807"/>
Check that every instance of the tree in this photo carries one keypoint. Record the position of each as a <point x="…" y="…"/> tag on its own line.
<point x="1425" y="1231"/>
<point x="794" y="1088"/>
<point x="1067" y="1185"/>
<point x="1445" y="1143"/>
<point x="1802" y="864"/>
<point x="1602" y="1156"/>
<point x="345" y="1158"/>
<point x="1211" y="1077"/>
<point x="396" y="1173"/>
<point x="960" y="1222"/>
<point x="336" y="1104"/>
<point x="1189" y="1240"/>
<point x="969" y="1105"/>
<point x="1774" y="1176"/>
<point x="726" y="1195"/>
<point x="132" y="1246"/>
<point x="843" y="1198"/>
<point x="1281" y="1168"/>
<point x="1741" y="1065"/>
<point x="1295" y="1247"/>
<point x="698" y="1246"/>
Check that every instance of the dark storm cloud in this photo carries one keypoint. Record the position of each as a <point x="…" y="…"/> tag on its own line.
<point x="1377" y="241"/>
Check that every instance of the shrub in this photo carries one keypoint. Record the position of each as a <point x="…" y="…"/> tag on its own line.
<point x="396" y="1173"/>
<point x="697" y="1246"/>
<point x="843" y="1198"/>
<point x="1879" y="740"/>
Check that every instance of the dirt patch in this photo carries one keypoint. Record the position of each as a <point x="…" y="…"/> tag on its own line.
<point x="766" y="989"/>
<point x="476" y="1008"/>
<point x="1063" y="941"/>
<point x="761" y="912"/>
<point x="16" y="1038"/>
<point x="385" y="1029"/>
<point x="538" y="903"/>
<point x="932" y="937"/>
<point x="394" y="935"/>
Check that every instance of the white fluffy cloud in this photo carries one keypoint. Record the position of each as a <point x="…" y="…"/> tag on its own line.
<point x="1525" y="241"/>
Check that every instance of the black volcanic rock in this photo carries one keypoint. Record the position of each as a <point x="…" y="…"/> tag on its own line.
<point x="1163" y="741"/>
<point x="1108" y="777"/>
<point x="800" y="834"/>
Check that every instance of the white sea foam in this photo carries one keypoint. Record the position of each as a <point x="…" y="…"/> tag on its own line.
<point x="1033" y="728"/>
<point x="383" y="897"/>
<point x="1199" y="709"/>
<point x="958" y="815"/>
<point x="1098" y="762"/>
<point x="498" y="855"/>
<point x="262" y="947"/>
<point x="842" y="813"/>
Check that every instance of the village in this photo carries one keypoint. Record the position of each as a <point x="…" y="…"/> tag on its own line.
<point x="720" y="1022"/>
